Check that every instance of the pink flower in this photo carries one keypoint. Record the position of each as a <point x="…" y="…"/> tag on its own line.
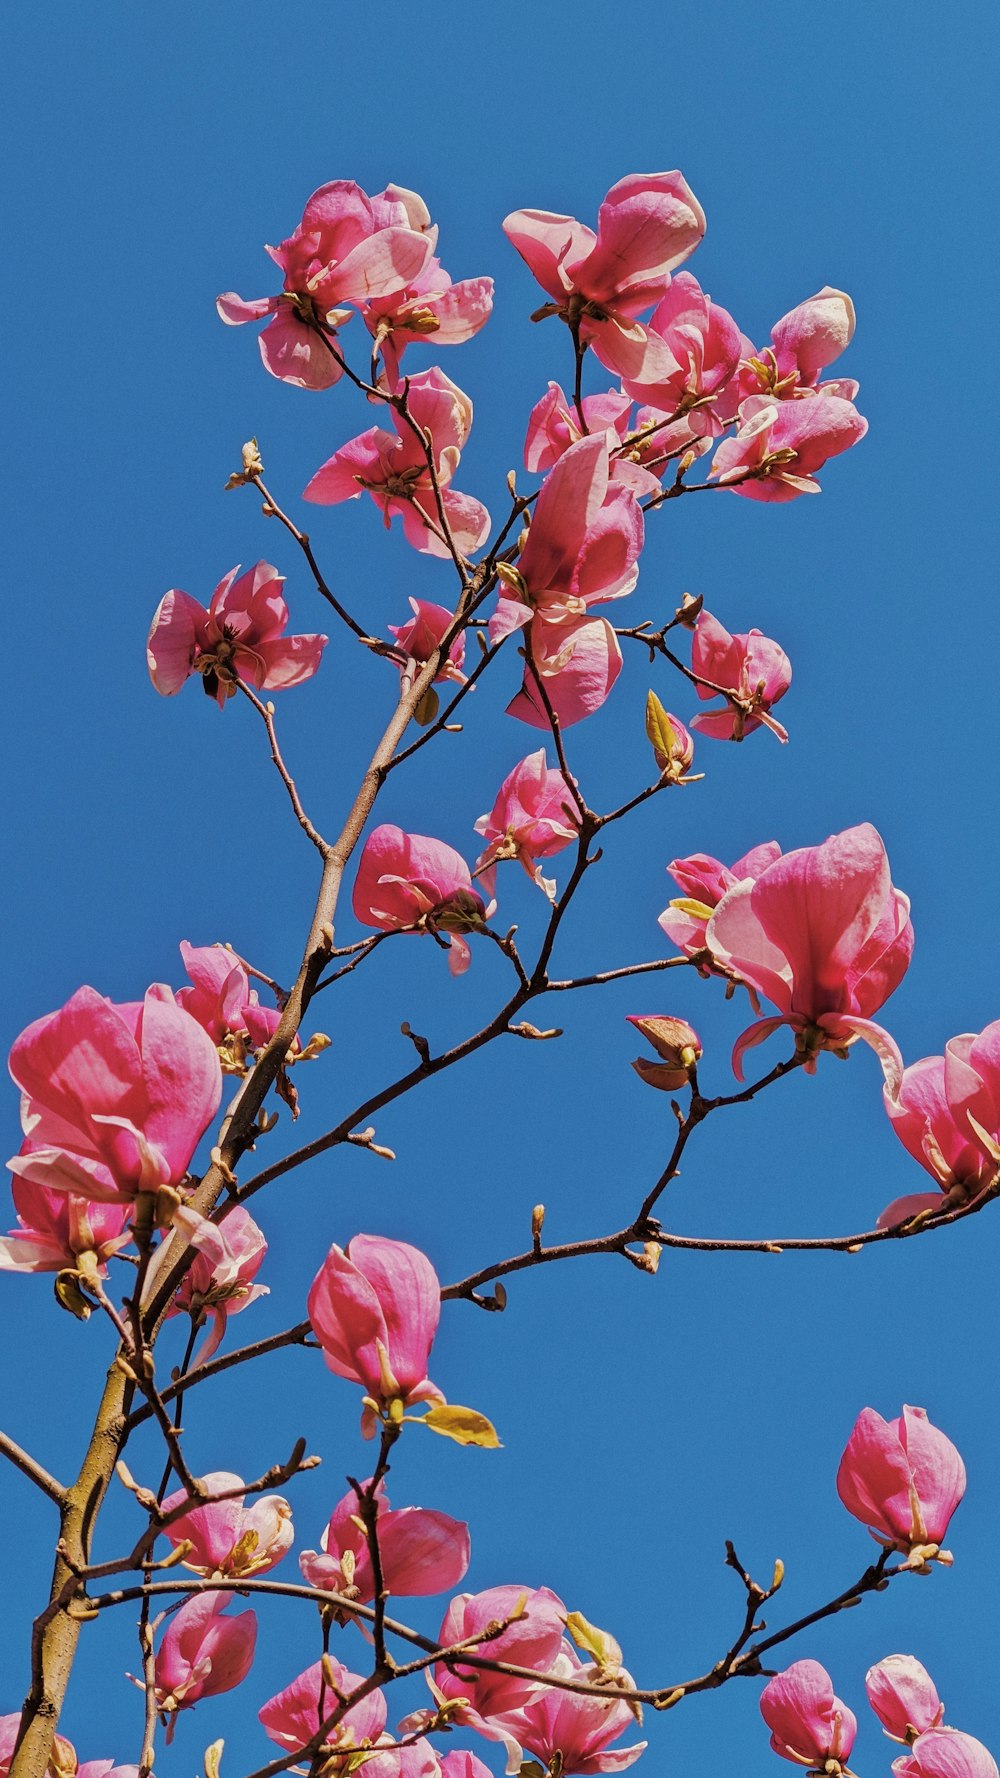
<point x="423" y="635"/>
<point x="532" y="818"/>
<point x="225" y="1005"/>
<point x="648" y="224"/>
<point x="420" y="1551"/>
<point x="429" y="309"/>
<point x="903" y="1479"/>
<point x="392" y="467"/>
<point x="704" y="881"/>
<point x="203" y="1653"/>
<point x="228" y="1538"/>
<point x="824" y="935"/>
<point x="239" y="635"/>
<point x="374" y="1308"/>
<point x="569" y="1732"/>
<point x="116" y="1098"/>
<point x="348" y="248"/>
<point x="407" y="880"/>
<point x="750" y="666"/>
<point x="578" y="661"/>
<point x="582" y="546"/>
<point x="58" y="1230"/>
<point x="554" y="425"/>
<point x="946" y="1753"/>
<point x="703" y="347"/>
<point x="533" y="1620"/>
<point x="803" y="343"/>
<point x="216" y="1286"/>
<point x="295" y="1716"/>
<point x="946" y="1112"/>
<point x="809" y="1725"/>
<point x="904" y="1697"/>
<point x="780" y="445"/>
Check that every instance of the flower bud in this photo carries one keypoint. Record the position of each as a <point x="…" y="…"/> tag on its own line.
<point x="675" y="1042"/>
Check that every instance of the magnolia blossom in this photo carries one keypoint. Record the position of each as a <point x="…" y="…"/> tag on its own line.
<point x="202" y="1653"/>
<point x="227" y="1538"/>
<point x="374" y="1308"/>
<point x="554" y="425"/>
<point x="420" y="1551"/>
<point x="393" y="468"/>
<point x="577" y="661"/>
<point x="240" y="635"/>
<point x="703" y="348"/>
<point x="803" y="343"/>
<point x="409" y="881"/>
<point x="225" y="1005"/>
<point x="568" y="1731"/>
<point x="423" y="635"/>
<point x="218" y="1285"/>
<point x="115" y="1098"/>
<point x="533" y="1620"/>
<point x="430" y="309"/>
<point x="533" y="817"/>
<point x="824" y="935"/>
<point x="946" y="1753"/>
<point x="294" y="1717"/>
<point x="648" y="224"/>
<point x="348" y="248"/>
<point x="903" y="1479"/>
<point x="904" y="1697"/>
<point x="582" y="545"/>
<point x="704" y="881"/>
<point x="946" y="1112"/>
<point x="751" y="667"/>
<point x="780" y="445"/>
<point x="58" y="1231"/>
<point x="808" y="1724"/>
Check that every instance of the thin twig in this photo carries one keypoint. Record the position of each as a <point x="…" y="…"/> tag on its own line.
<point x="266" y="714"/>
<point x="30" y="1467"/>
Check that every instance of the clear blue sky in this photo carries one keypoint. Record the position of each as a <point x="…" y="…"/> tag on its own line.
<point x="643" y="1420"/>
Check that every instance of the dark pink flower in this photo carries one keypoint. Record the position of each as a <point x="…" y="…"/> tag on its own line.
<point x="704" y="881"/>
<point x="533" y="1620"/>
<point x="421" y="1551"/>
<point x="803" y="343"/>
<point x="203" y="1652"/>
<point x="903" y="1479"/>
<point x="392" y="467"/>
<point x="946" y="1112"/>
<point x="58" y="1230"/>
<point x="407" y="880"/>
<point x="780" y="445"/>
<point x="220" y="1284"/>
<point x="946" y="1753"/>
<point x="227" y="1537"/>
<point x="648" y="224"/>
<point x="348" y="248"/>
<point x="750" y="666"/>
<point x="568" y="1731"/>
<point x="703" y="347"/>
<point x="294" y="1717"/>
<point x="374" y="1308"/>
<point x="423" y="635"/>
<point x="825" y="936"/>
<point x="239" y="635"/>
<point x="532" y="818"/>
<point x="429" y="309"/>
<point x="116" y="1098"/>
<point x="808" y="1724"/>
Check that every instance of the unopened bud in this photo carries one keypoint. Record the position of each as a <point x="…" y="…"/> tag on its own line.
<point x="537" y="1221"/>
<point x="689" y="610"/>
<point x="675" y="1042"/>
<point x="673" y="748"/>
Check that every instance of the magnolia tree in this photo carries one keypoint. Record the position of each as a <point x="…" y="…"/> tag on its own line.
<point x="119" y="1101"/>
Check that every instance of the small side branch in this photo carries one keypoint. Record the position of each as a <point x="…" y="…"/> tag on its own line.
<point x="266" y="714"/>
<point x="28" y="1466"/>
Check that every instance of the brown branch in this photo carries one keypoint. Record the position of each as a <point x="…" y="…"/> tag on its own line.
<point x="272" y="509"/>
<point x="266" y="714"/>
<point x="30" y="1467"/>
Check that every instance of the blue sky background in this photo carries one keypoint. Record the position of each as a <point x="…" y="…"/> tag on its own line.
<point x="644" y="1420"/>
